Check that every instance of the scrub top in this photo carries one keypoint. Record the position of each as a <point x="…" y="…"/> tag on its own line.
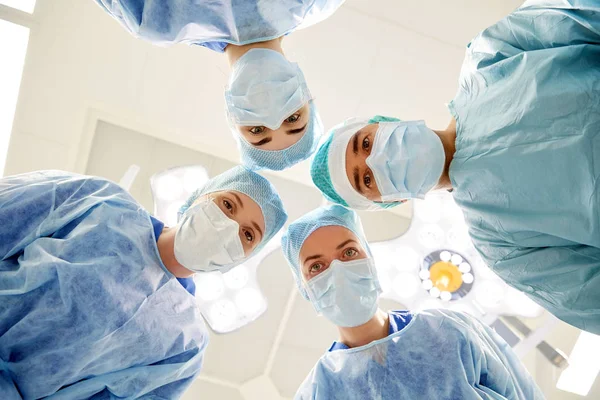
<point x="215" y="24"/>
<point x="87" y="308"/>
<point x="526" y="170"/>
<point x="439" y="354"/>
<point x="398" y="320"/>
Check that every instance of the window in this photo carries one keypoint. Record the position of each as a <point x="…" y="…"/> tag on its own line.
<point x="23" y="5"/>
<point x="14" y="38"/>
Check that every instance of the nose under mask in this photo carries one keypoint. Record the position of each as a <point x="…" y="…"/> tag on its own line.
<point x="207" y="240"/>
<point x="346" y="293"/>
<point x="407" y="160"/>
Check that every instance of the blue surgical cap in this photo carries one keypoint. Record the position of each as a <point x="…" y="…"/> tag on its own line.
<point x="277" y="160"/>
<point x="300" y="230"/>
<point x="258" y="188"/>
<point x="326" y="173"/>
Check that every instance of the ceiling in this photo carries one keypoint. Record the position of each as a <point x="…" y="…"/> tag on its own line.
<point x="389" y="57"/>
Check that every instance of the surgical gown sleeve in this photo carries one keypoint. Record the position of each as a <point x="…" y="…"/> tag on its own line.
<point x="87" y="308"/>
<point x="31" y="205"/>
<point x="537" y="25"/>
<point x="564" y="280"/>
<point x="499" y="369"/>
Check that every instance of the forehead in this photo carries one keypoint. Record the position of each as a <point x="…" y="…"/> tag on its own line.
<point x="325" y="240"/>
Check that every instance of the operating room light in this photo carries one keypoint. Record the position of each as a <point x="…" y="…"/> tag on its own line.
<point x="430" y="209"/>
<point x="192" y="176"/>
<point x="222" y="314"/>
<point x="489" y="293"/>
<point x="456" y="259"/>
<point x="405" y="285"/>
<point x="237" y="278"/>
<point x="210" y="286"/>
<point x="170" y="218"/>
<point x="169" y="187"/>
<point x="431" y="236"/>
<point x="458" y="237"/>
<point x="468" y="278"/>
<point x="584" y="365"/>
<point x="407" y="258"/>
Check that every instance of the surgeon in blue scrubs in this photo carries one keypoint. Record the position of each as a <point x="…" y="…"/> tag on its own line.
<point x="434" y="354"/>
<point x="520" y="155"/>
<point x="96" y="299"/>
<point x="270" y="109"/>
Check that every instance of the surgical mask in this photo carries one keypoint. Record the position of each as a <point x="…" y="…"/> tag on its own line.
<point x="407" y="160"/>
<point x="265" y="89"/>
<point x="206" y="239"/>
<point x="346" y="293"/>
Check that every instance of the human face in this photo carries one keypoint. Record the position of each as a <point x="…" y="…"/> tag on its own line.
<point x="291" y="131"/>
<point x="359" y="174"/>
<point x="325" y="245"/>
<point x="243" y="210"/>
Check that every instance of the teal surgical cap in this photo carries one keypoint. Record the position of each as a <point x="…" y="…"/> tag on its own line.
<point x="380" y="118"/>
<point x="258" y="188"/>
<point x="328" y="167"/>
<point x="301" y="229"/>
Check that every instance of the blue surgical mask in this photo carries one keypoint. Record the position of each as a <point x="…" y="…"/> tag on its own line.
<point x="346" y="293"/>
<point x="265" y="89"/>
<point x="407" y="160"/>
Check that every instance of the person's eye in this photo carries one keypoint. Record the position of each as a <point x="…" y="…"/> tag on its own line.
<point x="227" y="204"/>
<point x="350" y="252"/>
<point x="292" y="118"/>
<point x="366" y="143"/>
<point x="367" y="179"/>
<point x="257" y="130"/>
<point x="248" y="235"/>
<point x="315" y="268"/>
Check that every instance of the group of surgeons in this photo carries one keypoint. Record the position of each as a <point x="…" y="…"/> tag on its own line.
<point x="97" y="296"/>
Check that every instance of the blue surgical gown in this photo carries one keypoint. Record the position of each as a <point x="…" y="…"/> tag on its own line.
<point x="87" y="309"/>
<point x="216" y="23"/>
<point x="527" y="163"/>
<point x="440" y="354"/>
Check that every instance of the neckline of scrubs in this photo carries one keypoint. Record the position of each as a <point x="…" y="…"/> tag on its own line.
<point x="168" y="273"/>
<point x="376" y="342"/>
<point x="458" y="140"/>
<point x="398" y="320"/>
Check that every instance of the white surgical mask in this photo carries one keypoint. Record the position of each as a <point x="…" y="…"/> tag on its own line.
<point x="346" y="293"/>
<point x="206" y="239"/>
<point x="407" y="160"/>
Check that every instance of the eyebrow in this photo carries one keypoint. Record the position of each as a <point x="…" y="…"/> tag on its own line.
<point x="355" y="143"/>
<point x="234" y="194"/>
<point x="258" y="229"/>
<point x="357" y="181"/>
<point x="312" y="258"/>
<point x="294" y="131"/>
<point x="261" y="142"/>
<point x="345" y="243"/>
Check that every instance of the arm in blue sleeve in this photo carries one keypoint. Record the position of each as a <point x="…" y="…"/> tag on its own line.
<point x="37" y="204"/>
<point x="167" y="379"/>
<point x="498" y="370"/>
<point x="564" y="280"/>
<point x="540" y="25"/>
